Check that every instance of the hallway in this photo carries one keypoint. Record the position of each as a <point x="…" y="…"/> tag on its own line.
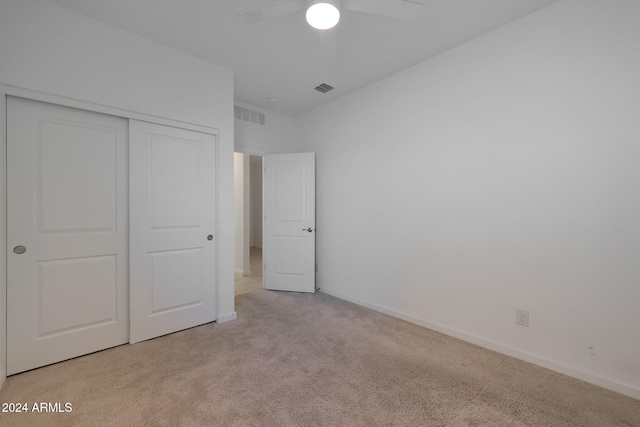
<point x="246" y="284"/>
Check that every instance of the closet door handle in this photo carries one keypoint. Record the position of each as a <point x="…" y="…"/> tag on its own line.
<point x="308" y="229"/>
<point x="19" y="249"/>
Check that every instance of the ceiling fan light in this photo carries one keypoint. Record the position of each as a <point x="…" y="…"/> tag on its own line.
<point x="323" y="15"/>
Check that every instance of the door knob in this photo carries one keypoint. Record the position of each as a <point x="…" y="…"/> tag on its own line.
<point x="308" y="229"/>
<point x="210" y="237"/>
<point x="19" y="249"/>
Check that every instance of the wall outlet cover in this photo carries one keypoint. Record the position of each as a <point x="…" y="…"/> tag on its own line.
<point x="522" y="317"/>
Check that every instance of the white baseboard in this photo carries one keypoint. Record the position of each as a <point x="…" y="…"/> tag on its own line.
<point x="227" y="317"/>
<point x="626" y="389"/>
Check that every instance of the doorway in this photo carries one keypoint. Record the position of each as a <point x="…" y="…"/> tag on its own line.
<point x="248" y="224"/>
<point x="279" y="224"/>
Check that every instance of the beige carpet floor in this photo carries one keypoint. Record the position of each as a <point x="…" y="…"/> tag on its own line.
<point x="309" y="360"/>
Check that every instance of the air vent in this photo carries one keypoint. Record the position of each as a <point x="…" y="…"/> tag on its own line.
<point x="324" y="88"/>
<point x="248" y="115"/>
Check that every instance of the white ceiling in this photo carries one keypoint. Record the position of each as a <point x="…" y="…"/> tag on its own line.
<point x="285" y="58"/>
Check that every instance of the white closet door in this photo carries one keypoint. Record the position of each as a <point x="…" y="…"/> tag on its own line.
<point x="289" y="222"/>
<point x="66" y="233"/>
<point x="172" y="222"/>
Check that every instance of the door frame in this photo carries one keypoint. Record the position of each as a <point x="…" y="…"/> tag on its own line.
<point x="8" y="90"/>
<point x="245" y="227"/>
<point x="261" y="154"/>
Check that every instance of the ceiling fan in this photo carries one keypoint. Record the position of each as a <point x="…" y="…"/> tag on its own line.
<point x="325" y="14"/>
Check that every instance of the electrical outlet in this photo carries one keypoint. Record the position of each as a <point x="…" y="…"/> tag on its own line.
<point x="522" y="317"/>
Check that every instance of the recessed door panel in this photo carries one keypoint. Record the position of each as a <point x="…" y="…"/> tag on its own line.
<point x="172" y="267"/>
<point x="290" y="255"/>
<point x="290" y="192"/>
<point x="91" y="283"/>
<point x="174" y="169"/>
<point x="66" y="233"/>
<point x="82" y="194"/>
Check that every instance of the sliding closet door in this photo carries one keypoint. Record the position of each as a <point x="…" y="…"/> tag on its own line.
<point x="66" y="233"/>
<point x="172" y="223"/>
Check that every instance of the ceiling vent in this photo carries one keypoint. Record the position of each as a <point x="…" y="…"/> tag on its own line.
<point x="324" y="88"/>
<point x="248" y="115"/>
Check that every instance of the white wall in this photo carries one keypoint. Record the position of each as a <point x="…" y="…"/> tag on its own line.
<point x="256" y="201"/>
<point x="278" y="135"/>
<point x="501" y="174"/>
<point x="48" y="49"/>
<point x="242" y="188"/>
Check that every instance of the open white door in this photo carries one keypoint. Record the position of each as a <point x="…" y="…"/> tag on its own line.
<point x="289" y="242"/>
<point x="172" y="222"/>
<point x="66" y="233"/>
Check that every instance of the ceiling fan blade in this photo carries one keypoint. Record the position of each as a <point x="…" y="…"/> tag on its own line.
<point x="278" y="8"/>
<point x="404" y="9"/>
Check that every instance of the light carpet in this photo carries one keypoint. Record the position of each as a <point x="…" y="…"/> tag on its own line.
<point x="309" y="360"/>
